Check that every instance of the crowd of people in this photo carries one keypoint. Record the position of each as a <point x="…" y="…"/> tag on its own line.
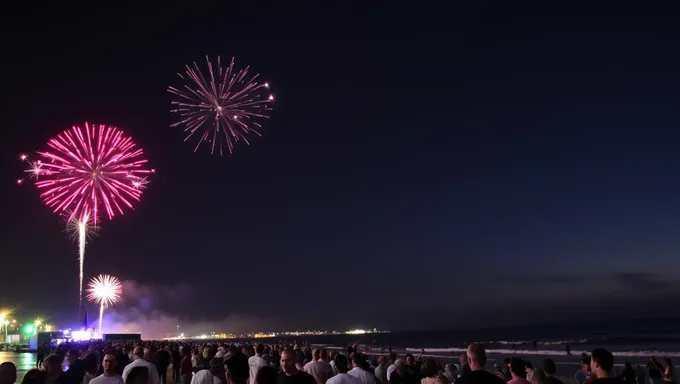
<point x="224" y="363"/>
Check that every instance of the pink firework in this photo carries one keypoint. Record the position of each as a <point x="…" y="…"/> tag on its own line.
<point x="87" y="171"/>
<point x="223" y="107"/>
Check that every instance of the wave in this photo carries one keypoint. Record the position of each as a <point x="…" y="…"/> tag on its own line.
<point x="548" y="352"/>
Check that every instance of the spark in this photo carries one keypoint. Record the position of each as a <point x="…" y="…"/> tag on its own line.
<point x="104" y="290"/>
<point x="85" y="172"/>
<point x="224" y="106"/>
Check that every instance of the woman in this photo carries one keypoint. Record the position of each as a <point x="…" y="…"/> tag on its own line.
<point x="429" y="371"/>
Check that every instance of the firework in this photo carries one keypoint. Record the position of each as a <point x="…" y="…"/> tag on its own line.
<point x="223" y="107"/>
<point x="88" y="171"/>
<point x="104" y="290"/>
<point x="80" y="230"/>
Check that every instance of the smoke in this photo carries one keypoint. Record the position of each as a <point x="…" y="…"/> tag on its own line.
<point x="159" y="311"/>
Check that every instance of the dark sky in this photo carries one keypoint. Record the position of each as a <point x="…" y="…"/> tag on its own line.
<point x="424" y="167"/>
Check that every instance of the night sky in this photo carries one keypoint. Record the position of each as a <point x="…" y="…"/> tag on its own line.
<point x="423" y="167"/>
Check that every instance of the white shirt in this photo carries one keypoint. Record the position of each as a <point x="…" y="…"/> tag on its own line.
<point x="101" y="379"/>
<point x="153" y="374"/>
<point x="255" y="362"/>
<point x="363" y="376"/>
<point x="390" y="369"/>
<point x="343" y="378"/>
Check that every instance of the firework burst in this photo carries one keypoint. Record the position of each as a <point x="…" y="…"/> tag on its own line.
<point x="223" y="107"/>
<point x="104" y="290"/>
<point x="88" y="171"/>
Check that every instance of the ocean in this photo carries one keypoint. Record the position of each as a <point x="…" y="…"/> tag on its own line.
<point x="659" y="337"/>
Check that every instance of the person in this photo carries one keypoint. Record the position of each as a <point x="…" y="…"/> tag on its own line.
<point x="400" y="375"/>
<point x="163" y="360"/>
<point x="187" y="366"/>
<point x="342" y="366"/>
<point x="654" y="370"/>
<point x="669" y="372"/>
<point x="138" y="361"/>
<point x="317" y="367"/>
<point x="34" y="376"/>
<point x="360" y="369"/>
<point x="218" y="371"/>
<point x="8" y="373"/>
<point x="52" y="365"/>
<point x="476" y="357"/>
<point x="266" y="375"/>
<point x="237" y="369"/>
<point x="110" y="375"/>
<point x="550" y="369"/>
<point x="430" y="371"/>
<point x="583" y="374"/>
<point x="41" y="351"/>
<point x="518" y="372"/>
<point x="380" y="370"/>
<point x="601" y="364"/>
<point x="256" y="362"/>
<point x="138" y="374"/>
<point x="290" y="374"/>
<point x="628" y="374"/>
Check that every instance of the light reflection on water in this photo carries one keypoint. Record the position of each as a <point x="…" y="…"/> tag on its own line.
<point x="24" y="361"/>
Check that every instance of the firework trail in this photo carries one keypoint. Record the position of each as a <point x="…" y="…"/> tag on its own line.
<point x="224" y="106"/>
<point x="87" y="171"/>
<point x="104" y="290"/>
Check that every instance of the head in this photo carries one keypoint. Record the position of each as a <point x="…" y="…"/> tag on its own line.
<point x="381" y="360"/>
<point x="237" y="369"/>
<point x="400" y="365"/>
<point x="259" y="349"/>
<point x="430" y="368"/>
<point x="360" y="360"/>
<point x="8" y="373"/>
<point x="451" y="369"/>
<point x="410" y="360"/>
<point x="549" y="367"/>
<point x="341" y="363"/>
<point x="288" y="361"/>
<point x="52" y="366"/>
<point x="476" y="356"/>
<point x="601" y="362"/>
<point x="138" y="353"/>
<point x="668" y="362"/>
<point x="323" y="355"/>
<point x="539" y="377"/>
<point x="517" y="368"/>
<point x="72" y="355"/>
<point x="463" y="359"/>
<point x="109" y="364"/>
<point x="585" y="363"/>
<point x="266" y="375"/>
<point x="316" y="354"/>
<point x="34" y="376"/>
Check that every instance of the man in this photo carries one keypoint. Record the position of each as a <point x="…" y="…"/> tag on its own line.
<point x="550" y="370"/>
<point x="110" y="375"/>
<point x="317" y="367"/>
<point x="381" y="371"/>
<point x="601" y="364"/>
<point x="52" y="365"/>
<point x="583" y="374"/>
<point x="237" y="369"/>
<point x="162" y="363"/>
<point x="290" y="374"/>
<point x="341" y="366"/>
<point x="8" y="373"/>
<point x="518" y="372"/>
<point x="359" y="365"/>
<point x="138" y="361"/>
<point x="392" y="367"/>
<point x="256" y="362"/>
<point x="476" y="357"/>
